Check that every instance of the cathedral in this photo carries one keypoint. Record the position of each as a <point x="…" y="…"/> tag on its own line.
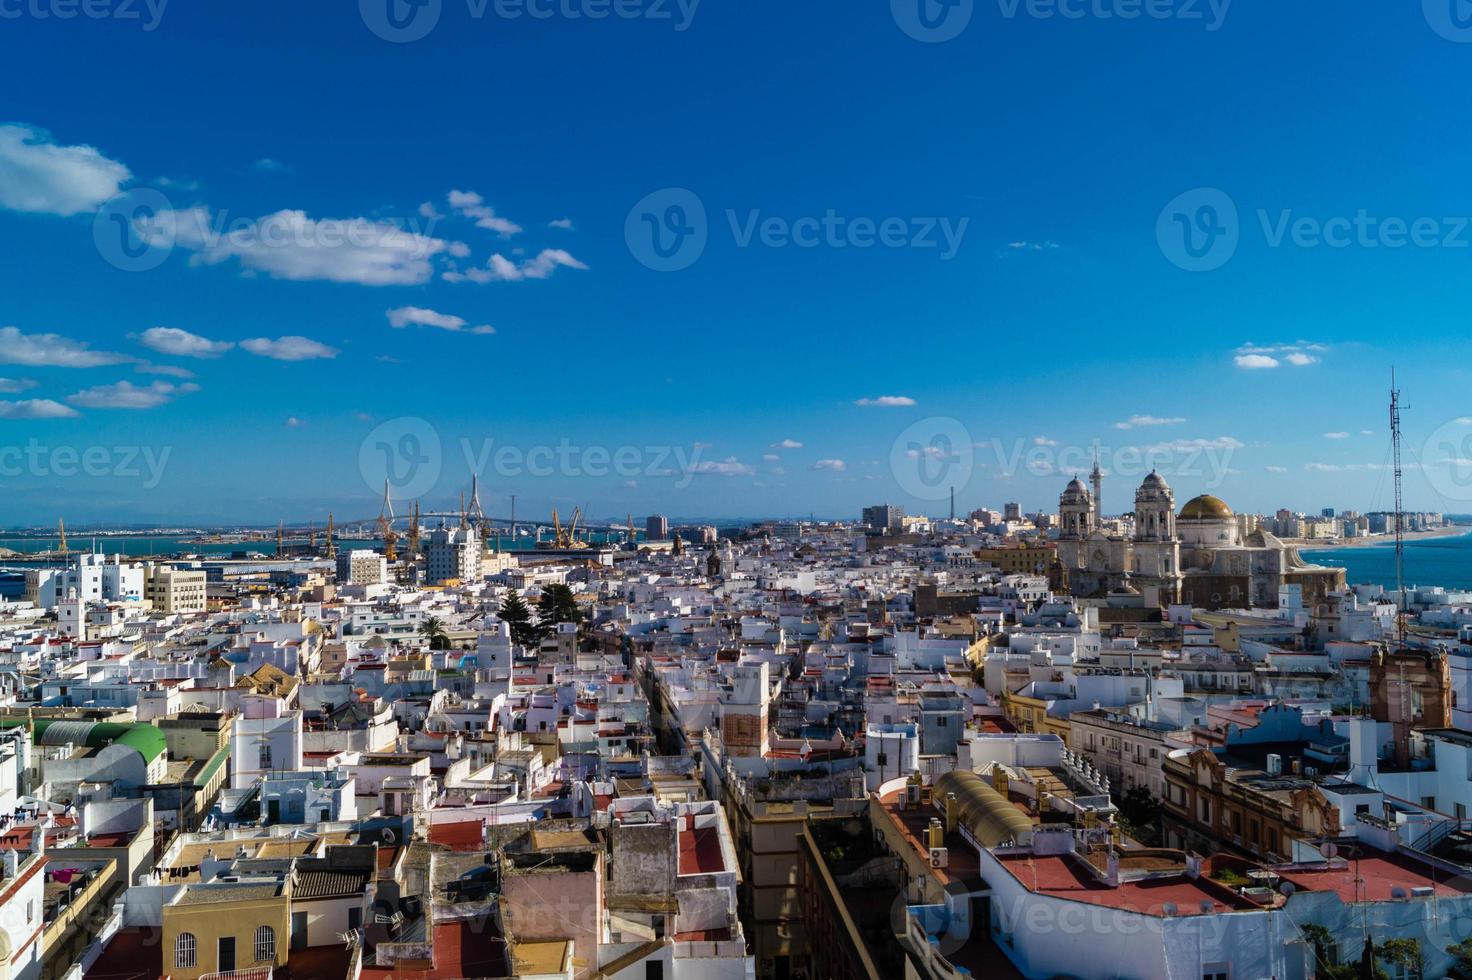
<point x="1199" y="556"/>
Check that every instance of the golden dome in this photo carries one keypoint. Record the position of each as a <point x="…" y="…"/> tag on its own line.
<point x="1206" y="508"/>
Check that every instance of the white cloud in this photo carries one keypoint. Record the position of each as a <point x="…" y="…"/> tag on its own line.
<point x="1191" y="445"/>
<point x="471" y="205"/>
<point x="1045" y="246"/>
<point x="771" y="458"/>
<point x="886" y="401"/>
<point x="1044" y="441"/>
<point x="564" y="223"/>
<point x="427" y="210"/>
<point x="35" y="408"/>
<point x="1136" y="421"/>
<point x="831" y="465"/>
<point x="418" y="316"/>
<point x="730" y="466"/>
<point x="293" y="422"/>
<point x="1463" y="420"/>
<point x="40" y="176"/>
<point x="171" y="370"/>
<point x="290" y="245"/>
<point x="51" y="350"/>
<point x="13" y="386"/>
<point x="1276" y="469"/>
<point x="267" y="165"/>
<point x="182" y="343"/>
<point x="1336" y="435"/>
<point x="289" y="348"/>
<point x="786" y="444"/>
<point x="502" y="269"/>
<point x="1299" y="354"/>
<point x="125" y="394"/>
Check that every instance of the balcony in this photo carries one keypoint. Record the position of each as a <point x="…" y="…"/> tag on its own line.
<point x="254" y="973"/>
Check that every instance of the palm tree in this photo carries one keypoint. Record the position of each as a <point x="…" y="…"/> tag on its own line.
<point x="434" y="631"/>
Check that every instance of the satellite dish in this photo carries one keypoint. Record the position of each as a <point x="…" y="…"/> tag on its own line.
<point x="1286" y="889"/>
<point x="1207" y="906"/>
<point x="1330" y="850"/>
<point x="388" y="836"/>
<point x="1397" y="892"/>
<point x="1169" y="908"/>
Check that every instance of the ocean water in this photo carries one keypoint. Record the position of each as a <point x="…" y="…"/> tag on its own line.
<point x="1432" y="561"/>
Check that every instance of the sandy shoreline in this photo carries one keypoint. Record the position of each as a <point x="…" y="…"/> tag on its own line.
<point x="1312" y="544"/>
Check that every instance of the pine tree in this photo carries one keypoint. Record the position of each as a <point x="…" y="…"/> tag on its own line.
<point x="557" y="605"/>
<point x="515" y="612"/>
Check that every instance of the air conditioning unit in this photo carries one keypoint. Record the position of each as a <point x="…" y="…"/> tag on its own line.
<point x="939" y="857"/>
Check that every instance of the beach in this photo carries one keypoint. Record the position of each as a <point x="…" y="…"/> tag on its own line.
<point x="1318" y="544"/>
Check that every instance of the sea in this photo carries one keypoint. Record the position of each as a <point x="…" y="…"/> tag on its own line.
<point x="1429" y="561"/>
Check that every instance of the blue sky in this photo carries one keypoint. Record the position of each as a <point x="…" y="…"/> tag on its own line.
<point x="929" y="263"/>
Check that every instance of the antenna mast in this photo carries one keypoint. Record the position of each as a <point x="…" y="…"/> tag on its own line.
<point x="1400" y="542"/>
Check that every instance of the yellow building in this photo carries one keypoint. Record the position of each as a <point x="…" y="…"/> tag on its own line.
<point x="1031" y="715"/>
<point x="223" y="926"/>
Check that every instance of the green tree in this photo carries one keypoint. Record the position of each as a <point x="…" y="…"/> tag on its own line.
<point x="557" y="605"/>
<point x="515" y="612"/>
<point x="434" y="631"/>
<point x="1403" y="952"/>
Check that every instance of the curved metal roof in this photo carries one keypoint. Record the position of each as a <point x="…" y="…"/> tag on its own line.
<point x="991" y="819"/>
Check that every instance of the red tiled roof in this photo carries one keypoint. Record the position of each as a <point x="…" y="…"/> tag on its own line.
<point x="469" y="835"/>
<point x="700" y="852"/>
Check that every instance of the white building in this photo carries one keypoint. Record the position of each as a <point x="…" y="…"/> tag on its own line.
<point x="176" y="590"/>
<point x="94" y="578"/>
<point x="453" y="554"/>
<point x="361" y="567"/>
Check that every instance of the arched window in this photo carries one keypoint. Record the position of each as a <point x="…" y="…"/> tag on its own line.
<point x="184" y="950"/>
<point x="265" y="944"/>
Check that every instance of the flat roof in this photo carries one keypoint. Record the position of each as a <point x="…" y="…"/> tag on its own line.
<point x="1062" y="876"/>
<point x="1371" y="875"/>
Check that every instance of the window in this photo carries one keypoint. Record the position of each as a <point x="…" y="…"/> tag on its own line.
<point x="184" y="949"/>
<point x="265" y="756"/>
<point x="265" y="944"/>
